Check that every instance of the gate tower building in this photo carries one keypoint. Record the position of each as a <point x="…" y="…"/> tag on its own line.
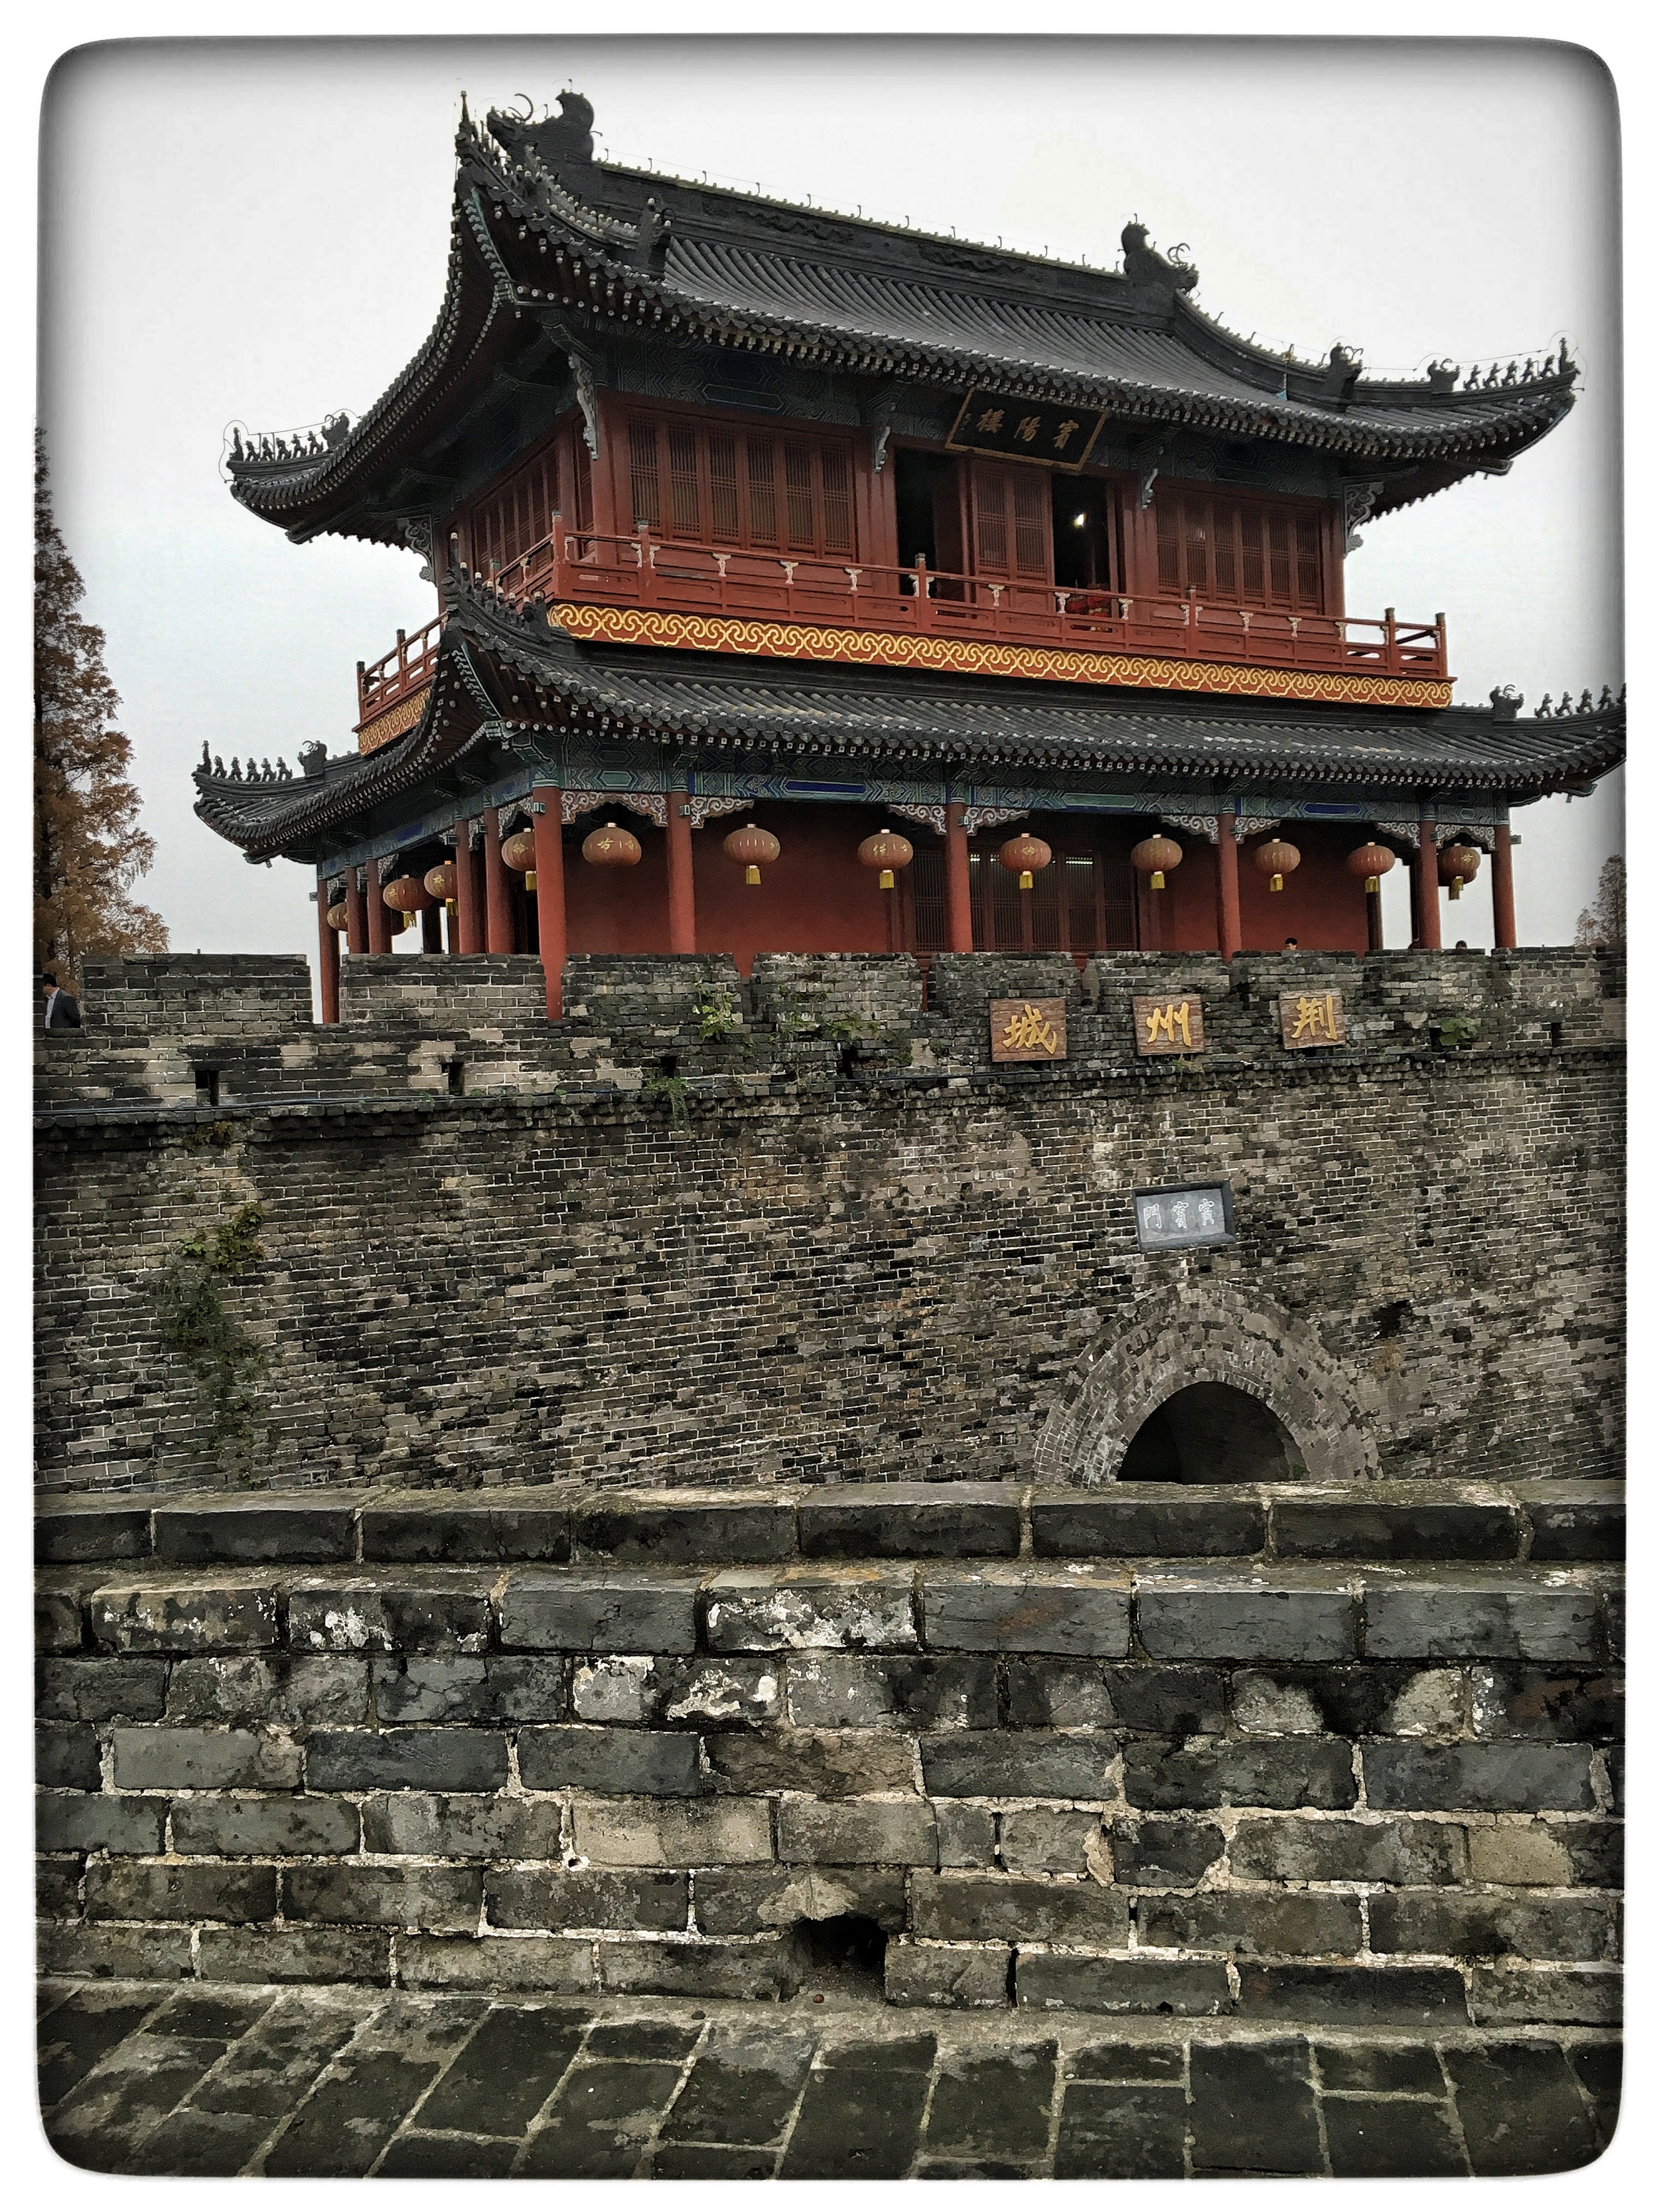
<point x="757" y="532"/>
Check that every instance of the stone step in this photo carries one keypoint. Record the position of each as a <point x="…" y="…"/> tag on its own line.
<point x="1320" y="1613"/>
<point x="1532" y="1522"/>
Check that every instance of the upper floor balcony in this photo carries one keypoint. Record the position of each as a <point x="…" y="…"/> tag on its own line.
<point x="722" y="599"/>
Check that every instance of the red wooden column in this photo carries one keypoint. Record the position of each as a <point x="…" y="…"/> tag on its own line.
<point x="356" y="914"/>
<point x="682" y="890"/>
<point x="1229" y="925"/>
<point x="1425" y="881"/>
<point x="1502" y="891"/>
<point x="498" y="895"/>
<point x="432" y="929"/>
<point x="549" y="895"/>
<point x="958" y="884"/>
<point x="328" y="956"/>
<point x="380" y="921"/>
<point x="469" y="920"/>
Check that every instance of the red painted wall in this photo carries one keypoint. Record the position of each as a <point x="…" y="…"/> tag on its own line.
<point x="817" y="896"/>
<point x="1322" y="905"/>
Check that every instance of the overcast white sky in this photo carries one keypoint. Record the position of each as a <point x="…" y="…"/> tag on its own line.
<point x="258" y="231"/>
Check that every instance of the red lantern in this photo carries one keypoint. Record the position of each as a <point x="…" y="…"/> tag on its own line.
<point x="336" y="916"/>
<point x="887" y="850"/>
<point x="1023" y="854"/>
<point x="1371" y="861"/>
<point x="611" y="848"/>
<point x="1154" y="857"/>
<point x="752" y="848"/>
<point x="519" y="852"/>
<point x="1459" y="864"/>
<point x="1276" y="861"/>
<point x="441" y="882"/>
<point x="407" y="894"/>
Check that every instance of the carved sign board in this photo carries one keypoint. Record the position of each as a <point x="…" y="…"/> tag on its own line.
<point x="1169" y="1026"/>
<point x="1176" y="1220"/>
<point x="1028" y="1029"/>
<point x="1311" y="1018"/>
<point x="1025" y="429"/>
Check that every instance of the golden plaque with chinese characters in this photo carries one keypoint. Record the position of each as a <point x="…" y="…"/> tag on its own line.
<point x="1025" y="429"/>
<point x="1311" y="1018"/>
<point x="1028" y="1029"/>
<point x="1169" y="1026"/>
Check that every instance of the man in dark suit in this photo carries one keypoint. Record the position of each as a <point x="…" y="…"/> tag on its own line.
<point x="63" y="1012"/>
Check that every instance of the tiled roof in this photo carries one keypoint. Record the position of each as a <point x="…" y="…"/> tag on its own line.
<point x="500" y="667"/>
<point x="545" y="235"/>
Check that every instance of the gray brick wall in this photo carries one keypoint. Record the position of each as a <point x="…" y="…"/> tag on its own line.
<point x="865" y="1256"/>
<point x="366" y="1770"/>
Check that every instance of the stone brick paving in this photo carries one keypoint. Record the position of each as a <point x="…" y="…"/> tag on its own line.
<point x="142" y="2078"/>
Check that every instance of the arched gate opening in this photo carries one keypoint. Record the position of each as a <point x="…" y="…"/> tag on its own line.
<point x="1213" y="1432"/>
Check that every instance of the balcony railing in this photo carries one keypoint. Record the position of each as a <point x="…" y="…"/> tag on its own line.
<point x="583" y="567"/>
<point x="407" y="668"/>
<point x="586" y="569"/>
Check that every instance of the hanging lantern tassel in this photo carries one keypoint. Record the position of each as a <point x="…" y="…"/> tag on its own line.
<point x="749" y="847"/>
<point x="887" y="850"/>
<point x="1154" y="857"/>
<point x="1459" y="864"/>
<point x="1023" y="856"/>
<point x="1373" y="863"/>
<point x="1276" y="861"/>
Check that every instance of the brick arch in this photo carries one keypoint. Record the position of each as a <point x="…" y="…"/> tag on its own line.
<point x="1205" y="1332"/>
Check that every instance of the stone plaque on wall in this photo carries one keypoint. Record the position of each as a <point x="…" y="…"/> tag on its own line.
<point x="1028" y="1029"/>
<point x="1169" y="1026"/>
<point x="1178" y="1220"/>
<point x="1311" y="1018"/>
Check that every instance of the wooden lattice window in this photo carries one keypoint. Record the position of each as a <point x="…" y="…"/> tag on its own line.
<point x="707" y="484"/>
<point x="518" y="514"/>
<point x="1013" y="522"/>
<point x="1242" y="552"/>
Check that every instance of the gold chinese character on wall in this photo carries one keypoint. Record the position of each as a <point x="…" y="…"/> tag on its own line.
<point x="1311" y="1018"/>
<point x="1028" y="1029"/>
<point x="1169" y="1026"/>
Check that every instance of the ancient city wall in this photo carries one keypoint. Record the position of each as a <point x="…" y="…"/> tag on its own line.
<point x="834" y="1244"/>
<point x="1264" y="1757"/>
<point x="672" y="1517"/>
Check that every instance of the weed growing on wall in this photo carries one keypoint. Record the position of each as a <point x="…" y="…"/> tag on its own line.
<point x="716" y="1015"/>
<point x="670" y="1091"/>
<point x="197" y="1325"/>
<point x="1456" y="1032"/>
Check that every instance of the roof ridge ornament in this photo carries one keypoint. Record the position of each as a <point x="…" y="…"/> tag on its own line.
<point x="1157" y="275"/>
<point x="561" y="141"/>
<point x="1337" y="380"/>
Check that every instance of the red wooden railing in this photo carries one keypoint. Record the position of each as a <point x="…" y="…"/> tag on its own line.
<point x="583" y="567"/>
<point x="406" y="668"/>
